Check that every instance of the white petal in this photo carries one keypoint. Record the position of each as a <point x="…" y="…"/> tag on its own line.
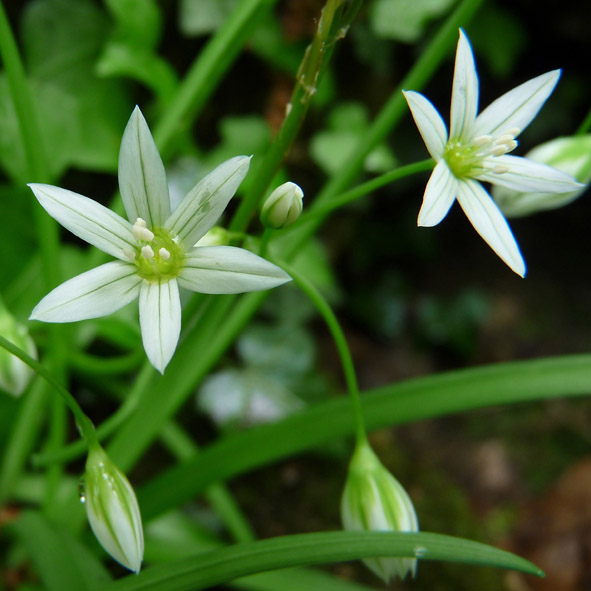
<point x="516" y="108"/>
<point x="142" y="179"/>
<point x="87" y="219"/>
<point x="527" y="175"/>
<point x="227" y="269"/>
<point x="464" y="98"/>
<point x="96" y="293"/>
<point x="204" y="204"/>
<point x="489" y="222"/>
<point x="160" y="321"/>
<point x="440" y="194"/>
<point x="429" y="122"/>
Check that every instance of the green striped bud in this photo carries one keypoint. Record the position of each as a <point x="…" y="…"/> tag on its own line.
<point x="373" y="500"/>
<point x="15" y="375"/>
<point x="283" y="206"/>
<point x="567" y="154"/>
<point x="112" y="510"/>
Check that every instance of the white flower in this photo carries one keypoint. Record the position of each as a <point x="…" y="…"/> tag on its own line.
<point x="373" y="500"/>
<point x="155" y="247"/>
<point x="112" y="510"/>
<point x="476" y="150"/>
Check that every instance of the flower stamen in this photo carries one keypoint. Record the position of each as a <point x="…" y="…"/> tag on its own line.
<point x="147" y="252"/>
<point x="141" y="232"/>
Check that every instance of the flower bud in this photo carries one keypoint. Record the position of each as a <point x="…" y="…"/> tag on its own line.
<point x="216" y="236"/>
<point x="373" y="500"/>
<point x="15" y="375"/>
<point x="567" y="154"/>
<point x="112" y="510"/>
<point x="283" y="206"/>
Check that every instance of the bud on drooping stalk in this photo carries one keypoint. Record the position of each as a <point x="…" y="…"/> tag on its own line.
<point x="112" y="510"/>
<point x="15" y="375"/>
<point x="283" y="206"/>
<point x="567" y="154"/>
<point x="373" y="500"/>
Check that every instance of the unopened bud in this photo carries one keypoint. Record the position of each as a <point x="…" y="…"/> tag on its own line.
<point x="283" y="207"/>
<point x="15" y="375"/>
<point x="112" y="510"/>
<point x="571" y="155"/>
<point x="216" y="236"/>
<point x="373" y="500"/>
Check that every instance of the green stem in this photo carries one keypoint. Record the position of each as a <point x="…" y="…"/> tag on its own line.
<point x="209" y="67"/>
<point x="363" y="189"/>
<point x="185" y="449"/>
<point x="331" y="27"/>
<point x="168" y="394"/>
<point x="23" y="436"/>
<point x="340" y="340"/>
<point x="396" y="107"/>
<point x="84" y="423"/>
<point x="409" y="401"/>
<point x="36" y="169"/>
<point x="585" y="125"/>
<point x="107" y="427"/>
<point x="26" y="113"/>
<point x="264" y="245"/>
<point x="88" y="364"/>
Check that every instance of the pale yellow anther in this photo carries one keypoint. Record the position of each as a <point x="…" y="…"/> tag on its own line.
<point x="164" y="254"/>
<point x="500" y="169"/>
<point x="511" y="146"/>
<point x="499" y="150"/>
<point x="504" y="139"/>
<point x="482" y="140"/>
<point x="147" y="252"/>
<point x="129" y="254"/>
<point x="514" y="131"/>
<point x="141" y="232"/>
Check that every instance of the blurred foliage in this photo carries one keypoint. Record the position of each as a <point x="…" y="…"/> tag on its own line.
<point x="426" y="298"/>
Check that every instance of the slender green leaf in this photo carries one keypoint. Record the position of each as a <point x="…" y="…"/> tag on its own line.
<point x="220" y="566"/>
<point x="62" y="562"/>
<point x="412" y="400"/>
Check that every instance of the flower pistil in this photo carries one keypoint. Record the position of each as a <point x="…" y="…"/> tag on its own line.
<point x="159" y="255"/>
<point x="467" y="160"/>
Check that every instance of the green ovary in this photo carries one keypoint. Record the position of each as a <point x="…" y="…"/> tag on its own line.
<point x="463" y="160"/>
<point x="158" y="267"/>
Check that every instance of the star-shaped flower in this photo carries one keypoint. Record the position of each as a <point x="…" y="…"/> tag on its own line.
<point x="156" y="247"/>
<point x="476" y="150"/>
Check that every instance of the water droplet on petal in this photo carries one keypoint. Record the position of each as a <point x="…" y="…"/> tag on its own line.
<point x="82" y="490"/>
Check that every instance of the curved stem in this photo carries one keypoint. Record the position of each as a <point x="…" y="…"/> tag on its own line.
<point x="340" y="340"/>
<point x="585" y="125"/>
<point x="209" y="67"/>
<point x="84" y="423"/>
<point x="332" y="25"/>
<point x="368" y="187"/>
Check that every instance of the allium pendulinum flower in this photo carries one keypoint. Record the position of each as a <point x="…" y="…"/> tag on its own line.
<point x="112" y="510"/>
<point x="155" y="247"/>
<point x="476" y="150"/>
<point x="373" y="500"/>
